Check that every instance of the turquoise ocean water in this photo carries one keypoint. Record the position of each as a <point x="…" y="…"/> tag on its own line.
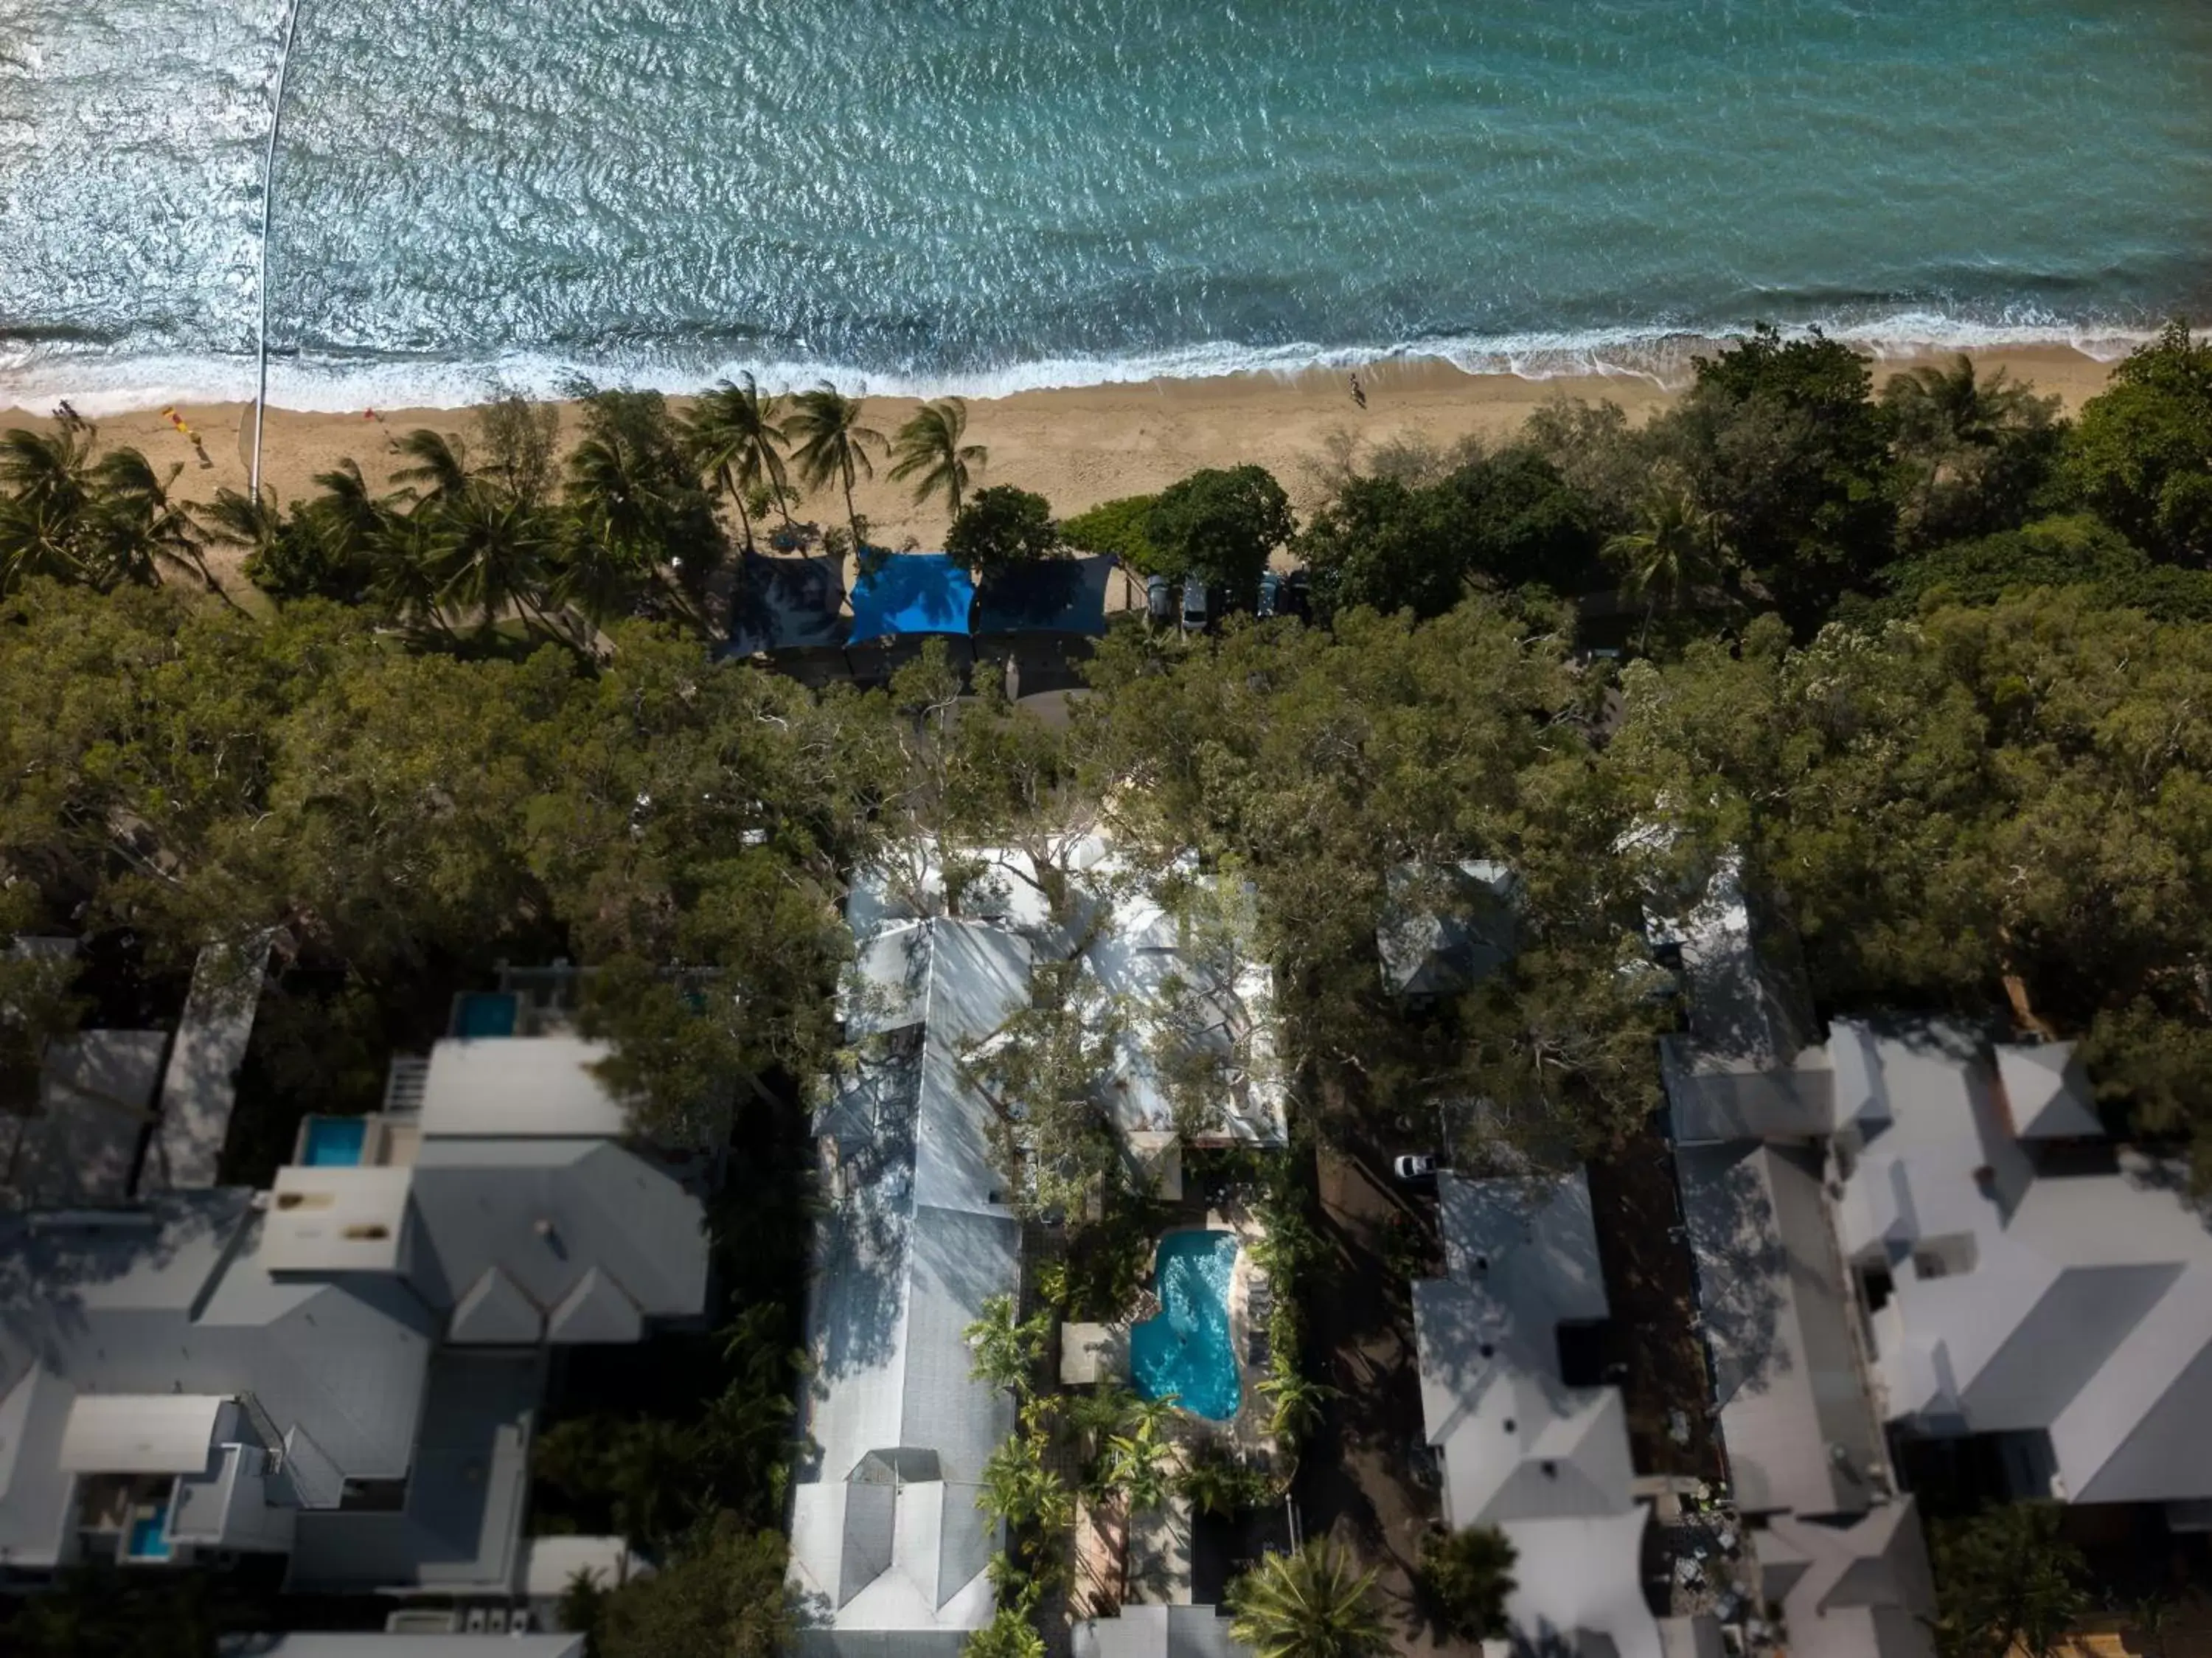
<point x="984" y="194"/>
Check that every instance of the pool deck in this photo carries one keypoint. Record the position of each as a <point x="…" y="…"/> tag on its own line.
<point x="1160" y="1571"/>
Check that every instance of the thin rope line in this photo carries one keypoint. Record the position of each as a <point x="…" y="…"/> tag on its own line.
<point x="268" y="193"/>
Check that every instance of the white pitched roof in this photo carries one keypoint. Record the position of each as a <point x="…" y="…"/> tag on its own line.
<point x="886" y="1536"/>
<point x="2046" y="1088"/>
<point x="1547" y="1463"/>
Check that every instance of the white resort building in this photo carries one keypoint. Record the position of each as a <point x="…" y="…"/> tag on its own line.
<point x="889" y="1551"/>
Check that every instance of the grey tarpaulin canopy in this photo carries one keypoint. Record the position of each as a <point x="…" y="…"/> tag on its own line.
<point x="787" y="603"/>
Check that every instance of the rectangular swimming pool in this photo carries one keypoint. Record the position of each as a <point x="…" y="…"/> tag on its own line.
<point x="485" y="1013"/>
<point x="334" y="1142"/>
<point x="146" y="1541"/>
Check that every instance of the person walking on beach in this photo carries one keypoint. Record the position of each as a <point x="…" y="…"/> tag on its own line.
<point x="1358" y="391"/>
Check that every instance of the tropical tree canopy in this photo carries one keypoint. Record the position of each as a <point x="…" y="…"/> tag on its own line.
<point x="1001" y="528"/>
<point x="1470" y="1574"/>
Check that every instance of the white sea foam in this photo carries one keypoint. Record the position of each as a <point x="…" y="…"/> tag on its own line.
<point x="98" y="386"/>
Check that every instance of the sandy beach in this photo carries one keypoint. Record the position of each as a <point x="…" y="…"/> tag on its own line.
<point x="1077" y="447"/>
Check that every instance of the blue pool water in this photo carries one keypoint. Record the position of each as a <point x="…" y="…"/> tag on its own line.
<point x="147" y="1542"/>
<point x="1187" y="1350"/>
<point x="484" y="1012"/>
<point x="335" y="1142"/>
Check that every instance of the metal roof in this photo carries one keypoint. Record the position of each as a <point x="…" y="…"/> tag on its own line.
<point x="178" y="1298"/>
<point x="886" y="1534"/>
<point x="519" y="1086"/>
<point x="1547" y="1463"/>
<point x="549" y="1212"/>
<point x="1158" y="1631"/>
<point x="141" y="1433"/>
<point x="199" y="1087"/>
<point x="1793" y="1408"/>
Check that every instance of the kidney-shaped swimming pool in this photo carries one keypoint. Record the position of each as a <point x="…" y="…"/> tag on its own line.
<point x="1187" y="1350"/>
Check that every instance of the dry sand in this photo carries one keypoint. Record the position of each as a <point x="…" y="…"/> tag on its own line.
<point x="1076" y="447"/>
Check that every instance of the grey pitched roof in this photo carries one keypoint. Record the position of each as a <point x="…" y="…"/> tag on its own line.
<point x="199" y="1086"/>
<point x="885" y="1535"/>
<point x="547" y="1212"/>
<point x="1794" y="1412"/>
<point x="1859" y="1588"/>
<point x="493" y="1312"/>
<point x="1158" y="1631"/>
<point x="82" y="1146"/>
<point x="1445" y="929"/>
<point x="459" y="1525"/>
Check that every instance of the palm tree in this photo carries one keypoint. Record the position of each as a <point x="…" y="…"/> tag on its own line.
<point x="833" y="444"/>
<point x="36" y="539"/>
<point x="929" y="447"/>
<point x="140" y="526"/>
<point x="51" y="470"/>
<point x="1313" y="1603"/>
<point x="1010" y="1634"/>
<point x="405" y="560"/>
<point x="494" y="553"/>
<point x="1098" y="1414"/>
<point x="733" y="434"/>
<point x="1954" y="432"/>
<point x="1470" y="1574"/>
<point x="438" y="467"/>
<point x="241" y="521"/>
<point x="1297" y="1403"/>
<point x="1006" y="1350"/>
<point x="1675" y="547"/>
<point x="1953" y="408"/>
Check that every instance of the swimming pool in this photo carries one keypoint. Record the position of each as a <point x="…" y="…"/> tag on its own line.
<point x="1187" y="1349"/>
<point x="146" y="1541"/>
<point x="333" y="1142"/>
<point x="485" y="1013"/>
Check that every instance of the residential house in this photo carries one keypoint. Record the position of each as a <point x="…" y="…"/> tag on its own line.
<point x="1521" y="1448"/>
<point x="343" y="1370"/>
<point x="1447" y="928"/>
<point x="888" y="1547"/>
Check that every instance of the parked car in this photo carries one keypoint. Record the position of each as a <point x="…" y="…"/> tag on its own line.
<point x="1160" y="601"/>
<point x="1414" y="1165"/>
<point x="1271" y="588"/>
<point x="1294" y="599"/>
<point x="1193" y="605"/>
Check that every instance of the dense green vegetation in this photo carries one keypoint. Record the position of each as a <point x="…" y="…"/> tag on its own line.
<point x="1933" y="661"/>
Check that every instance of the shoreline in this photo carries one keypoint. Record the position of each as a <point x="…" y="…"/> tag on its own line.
<point x="1076" y="445"/>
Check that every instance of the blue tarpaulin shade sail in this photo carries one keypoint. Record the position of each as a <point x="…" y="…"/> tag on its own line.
<point x="784" y="604"/>
<point x="914" y="593"/>
<point x="1052" y="596"/>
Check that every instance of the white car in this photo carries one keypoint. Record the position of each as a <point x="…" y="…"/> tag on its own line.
<point x="1414" y="1165"/>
